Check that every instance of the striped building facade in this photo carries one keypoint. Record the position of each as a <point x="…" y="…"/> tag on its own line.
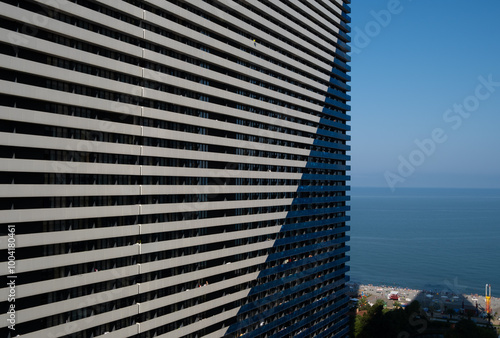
<point x="174" y="168"/>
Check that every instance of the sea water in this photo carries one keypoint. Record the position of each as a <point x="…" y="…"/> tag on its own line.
<point x="431" y="239"/>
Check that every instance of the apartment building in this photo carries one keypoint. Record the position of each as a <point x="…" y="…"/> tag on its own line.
<point x="174" y="168"/>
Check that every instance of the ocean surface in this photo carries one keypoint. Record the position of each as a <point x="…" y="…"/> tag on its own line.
<point x="431" y="239"/>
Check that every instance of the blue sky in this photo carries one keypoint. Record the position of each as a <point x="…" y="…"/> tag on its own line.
<point x="425" y="93"/>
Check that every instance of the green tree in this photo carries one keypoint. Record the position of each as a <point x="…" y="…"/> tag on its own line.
<point x="467" y="328"/>
<point x="363" y="303"/>
<point x="370" y="325"/>
<point x="377" y="322"/>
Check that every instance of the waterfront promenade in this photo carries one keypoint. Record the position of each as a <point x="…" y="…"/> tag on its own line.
<point x="434" y="302"/>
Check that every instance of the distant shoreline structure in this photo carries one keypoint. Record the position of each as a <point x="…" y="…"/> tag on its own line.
<point x="435" y="288"/>
<point x="398" y="286"/>
<point x="445" y="297"/>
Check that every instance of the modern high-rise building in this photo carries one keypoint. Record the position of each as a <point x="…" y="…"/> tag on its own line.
<point x="174" y="168"/>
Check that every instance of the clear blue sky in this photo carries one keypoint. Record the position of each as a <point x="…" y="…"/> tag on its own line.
<point x="416" y="69"/>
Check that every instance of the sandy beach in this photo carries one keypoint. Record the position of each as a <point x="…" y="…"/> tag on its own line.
<point x="432" y="301"/>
